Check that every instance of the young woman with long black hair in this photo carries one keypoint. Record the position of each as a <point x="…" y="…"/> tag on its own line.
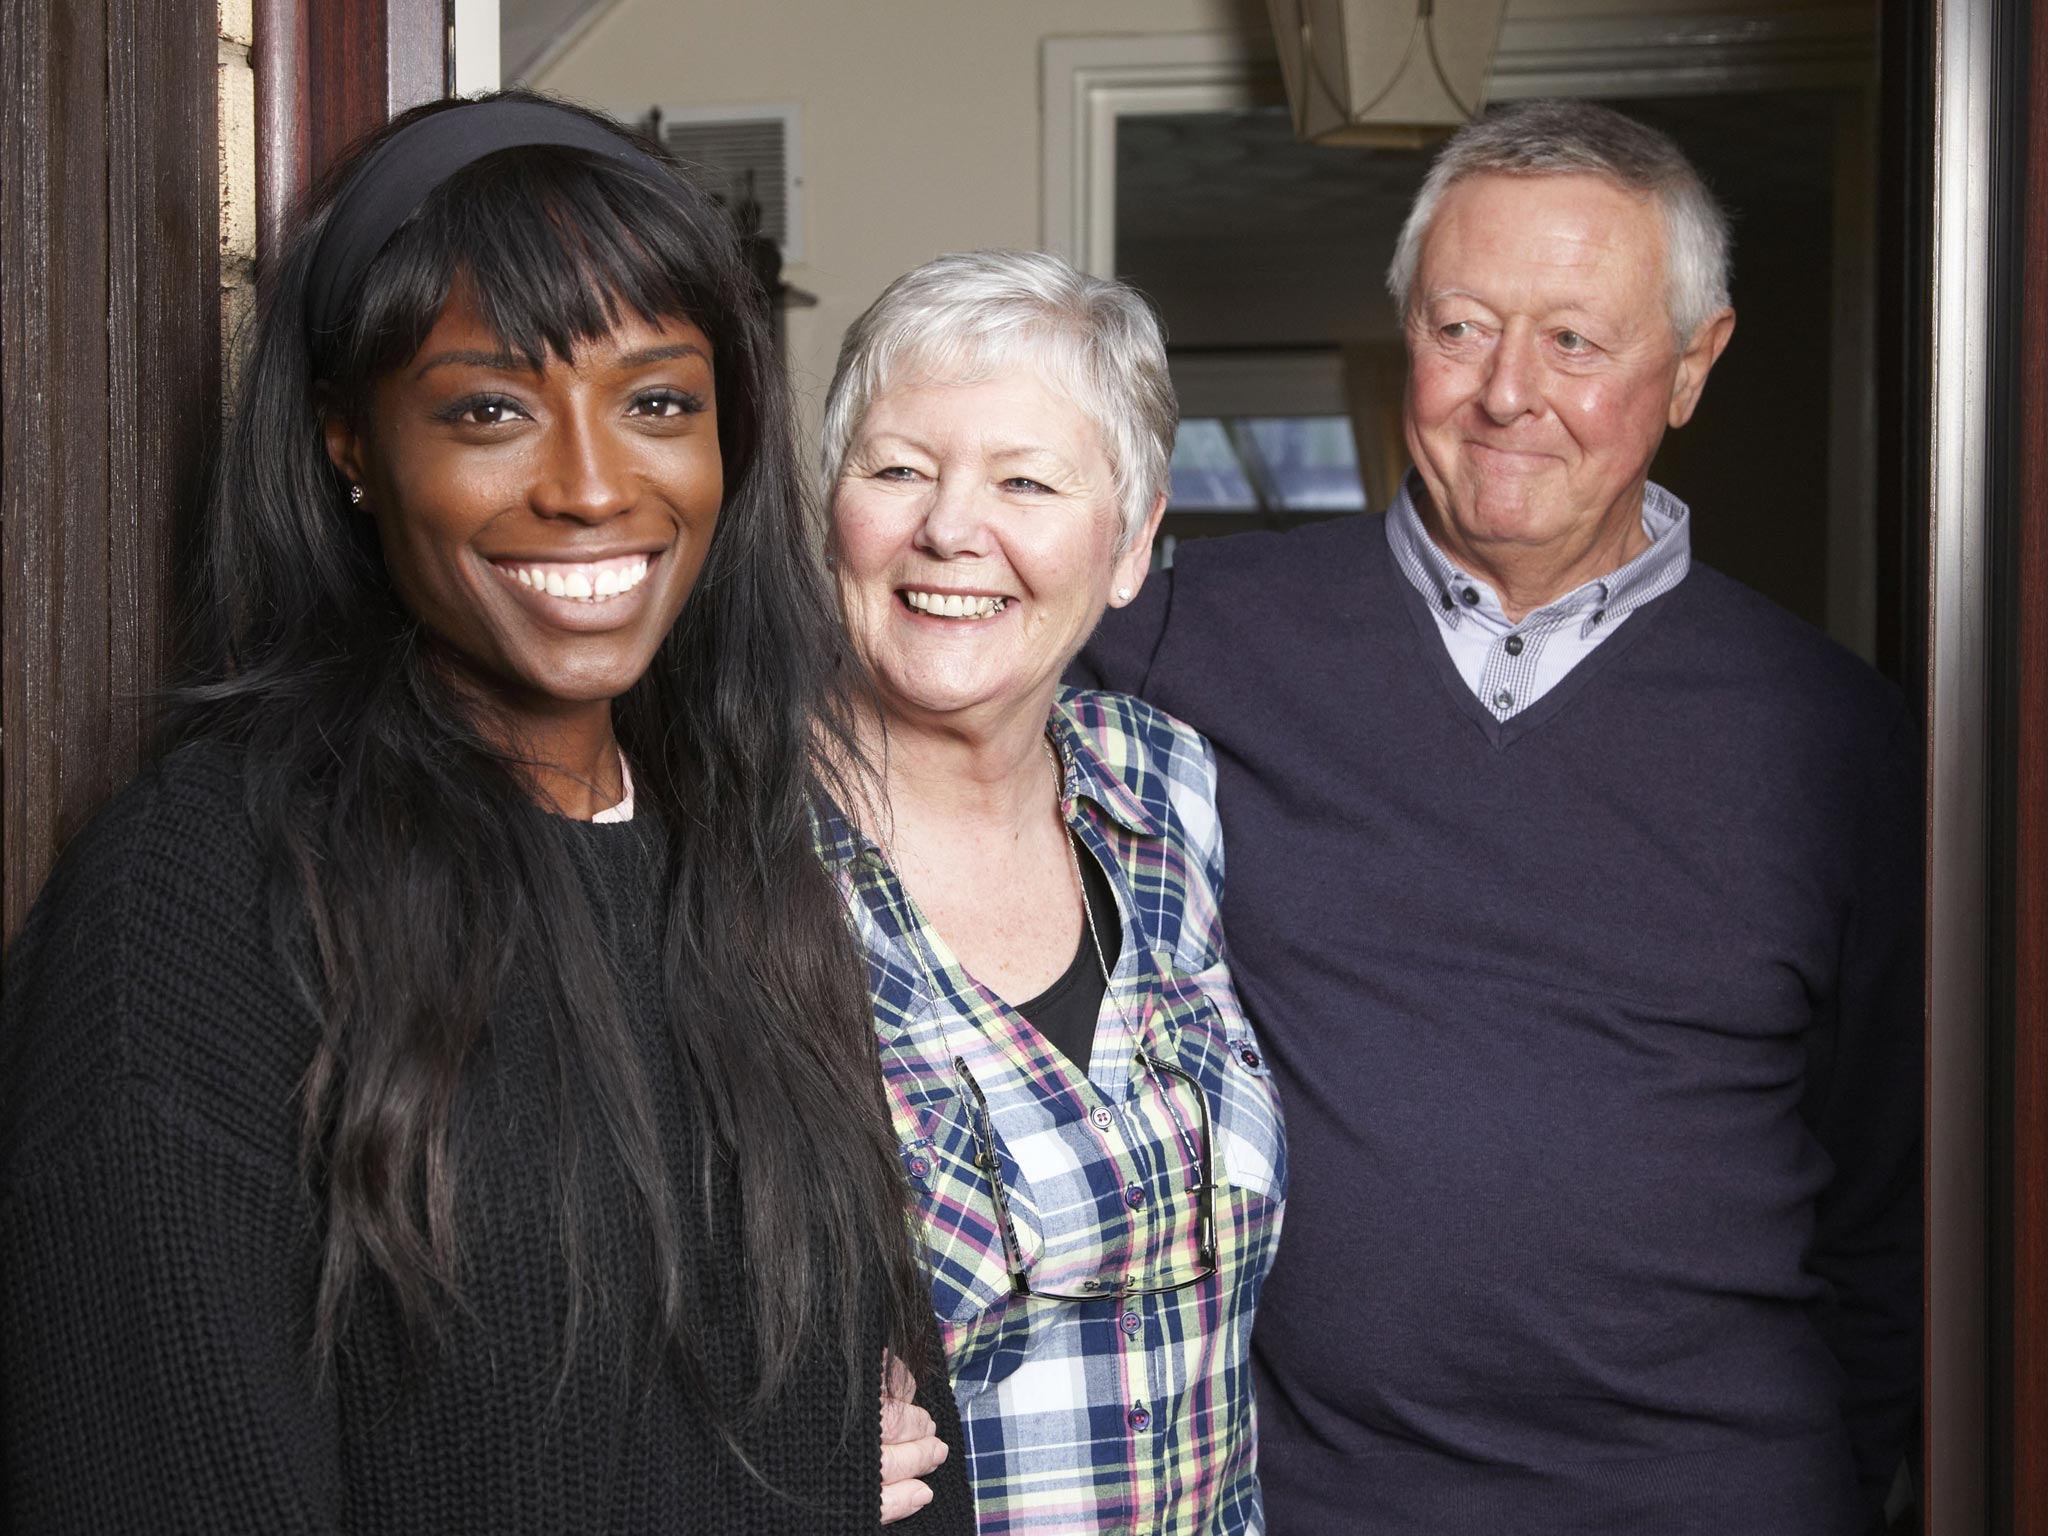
<point x="438" y="1095"/>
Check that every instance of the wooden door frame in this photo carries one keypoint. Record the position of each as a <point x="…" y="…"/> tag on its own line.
<point x="110" y="200"/>
<point x="326" y="74"/>
<point x="110" y="347"/>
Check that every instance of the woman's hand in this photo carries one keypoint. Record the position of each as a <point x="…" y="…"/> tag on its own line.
<point x="911" y="1447"/>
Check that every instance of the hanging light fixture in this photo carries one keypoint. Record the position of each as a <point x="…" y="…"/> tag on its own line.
<point x="1386" y="73"/>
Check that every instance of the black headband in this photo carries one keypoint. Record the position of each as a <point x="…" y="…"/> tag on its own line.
<point x="396" y="179"/>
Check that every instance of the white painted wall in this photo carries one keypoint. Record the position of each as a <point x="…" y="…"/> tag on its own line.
<point x="920" y="130"/>
<point x="920" y="117"/>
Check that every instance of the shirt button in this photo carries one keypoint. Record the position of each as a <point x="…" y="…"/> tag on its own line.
<point x="1249" y="1055"/>
<point x="1599" y="615"/>
<point x="1129" y="1322"/>
<point x="1513" y="645"/>
<point x="1100" y="1116"/>
<point x="1134" y="1196"/>
<point x="1138" y="1418"/>
<point x="1449" y="602"/>
<point x="920" y="1167"/>
<point x="1503" y="700"/>
<point x="1471" y="596"/>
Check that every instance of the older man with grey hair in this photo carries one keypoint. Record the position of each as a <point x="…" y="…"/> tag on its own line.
<point x="1575" y="889"/>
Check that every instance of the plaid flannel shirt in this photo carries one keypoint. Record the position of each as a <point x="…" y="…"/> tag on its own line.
<point x="1100" y="1416"/>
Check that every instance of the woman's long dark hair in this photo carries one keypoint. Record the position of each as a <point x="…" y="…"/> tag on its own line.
<point x="412" y="842"/>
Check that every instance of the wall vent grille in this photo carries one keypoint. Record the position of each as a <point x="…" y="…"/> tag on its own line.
<point x="734" y="149"/>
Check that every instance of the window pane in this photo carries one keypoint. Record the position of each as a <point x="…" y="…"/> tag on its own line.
<point x="1206" y="474"/>
<point x="1313" y="462"/>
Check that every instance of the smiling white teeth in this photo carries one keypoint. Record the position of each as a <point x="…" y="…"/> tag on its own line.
<point x="592" y="581"/>
<point x="954" y="605"/>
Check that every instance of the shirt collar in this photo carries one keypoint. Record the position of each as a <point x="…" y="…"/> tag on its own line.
<point x="623" y="811"/>
<point x="1656" y="570"/>
<point x="836" y="838"/>
<point x="1084" y="773"/>
<point x="1089" y="774"/>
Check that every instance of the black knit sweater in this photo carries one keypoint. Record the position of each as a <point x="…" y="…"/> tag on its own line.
<point x="158" y="1252"/>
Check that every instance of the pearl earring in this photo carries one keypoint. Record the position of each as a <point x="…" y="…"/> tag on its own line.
<point x="355" y="495"/>
<point x="1123" y="594"/>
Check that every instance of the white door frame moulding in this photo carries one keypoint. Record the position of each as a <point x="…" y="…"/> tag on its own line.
<point x="1090" y="82"/>
<point x="474" y="27"/>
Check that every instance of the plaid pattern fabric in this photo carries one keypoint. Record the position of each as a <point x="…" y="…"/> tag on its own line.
<point x="1510" y="666"/>
<point x="1102" y="1416"/>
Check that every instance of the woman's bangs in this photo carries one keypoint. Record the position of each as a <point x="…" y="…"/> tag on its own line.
<point x="554" y="246"/>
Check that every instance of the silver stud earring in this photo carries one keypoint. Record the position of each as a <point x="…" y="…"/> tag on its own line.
<point x="1123" y="594"/>
<point x="355" y="495"/>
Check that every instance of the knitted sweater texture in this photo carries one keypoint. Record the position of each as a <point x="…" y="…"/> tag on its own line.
<point x="1598" y="1033"/>
<point x="159" y="1254"/>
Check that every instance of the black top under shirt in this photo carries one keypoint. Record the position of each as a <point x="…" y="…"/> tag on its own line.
<point x="1066" y="1012"/>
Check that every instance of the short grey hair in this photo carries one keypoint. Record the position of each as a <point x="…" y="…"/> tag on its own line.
<point x="1564" y="138"/>
<point x="966" y="317"/>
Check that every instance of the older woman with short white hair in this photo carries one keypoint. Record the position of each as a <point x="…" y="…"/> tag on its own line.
<point x="1085" y="1115"/>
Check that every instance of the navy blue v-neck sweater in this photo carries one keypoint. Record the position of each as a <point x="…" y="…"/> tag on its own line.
<point x="1598" y="1036"/>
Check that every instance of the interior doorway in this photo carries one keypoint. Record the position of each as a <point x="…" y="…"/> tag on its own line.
<point x="1876" y="174"/>
<point x="1266" y="258"/>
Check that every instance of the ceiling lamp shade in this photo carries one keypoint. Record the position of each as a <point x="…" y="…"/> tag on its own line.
<point x="1384" y="72"/>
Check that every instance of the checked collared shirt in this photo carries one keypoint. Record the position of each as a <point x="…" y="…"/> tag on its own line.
<point x="1511" y="665"/>
<point x="1110" y="1415"/>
